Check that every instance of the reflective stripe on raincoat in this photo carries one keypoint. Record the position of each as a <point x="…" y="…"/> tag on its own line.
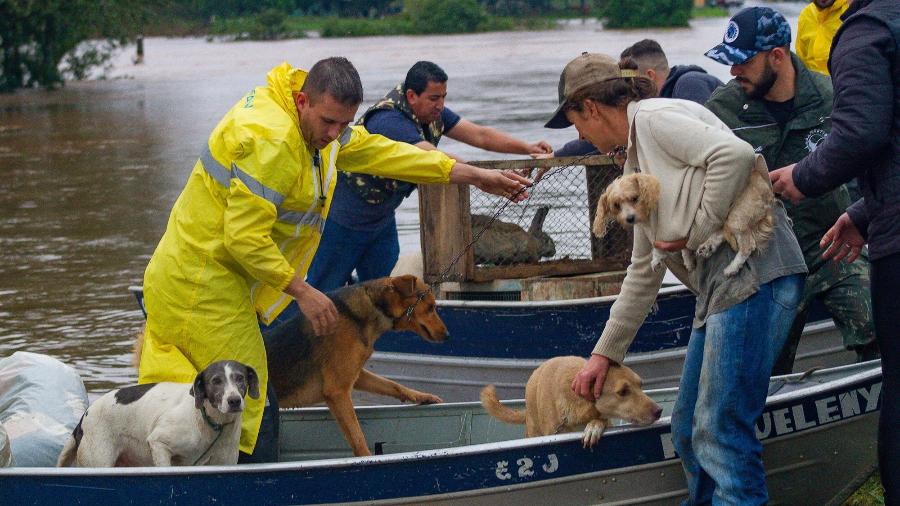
<point x="248" y="220"/>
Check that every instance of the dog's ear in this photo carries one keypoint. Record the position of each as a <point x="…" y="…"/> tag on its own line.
<point x="648" y="191"/>
<point x="405" y="285"/>
<point x="252" y="382"/>
<point x="198" y="390"/>
<point x="602" y="216"/>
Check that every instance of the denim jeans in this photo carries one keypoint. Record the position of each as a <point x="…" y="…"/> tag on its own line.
<point x="723" y="392"/>
<point x="373" y="253"/>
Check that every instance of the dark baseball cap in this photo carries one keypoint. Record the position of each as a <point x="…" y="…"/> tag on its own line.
<point x="586" y="69"/>
<point x="750" y="31"/>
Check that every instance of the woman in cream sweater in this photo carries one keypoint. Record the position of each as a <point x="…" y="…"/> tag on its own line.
<point x="740" y="322"/>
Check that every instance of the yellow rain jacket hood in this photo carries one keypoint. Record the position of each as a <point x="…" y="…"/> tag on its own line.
<point x="248" y="220"/>
<point x="815" y="31"/>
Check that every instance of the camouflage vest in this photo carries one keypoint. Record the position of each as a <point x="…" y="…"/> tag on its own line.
<point x="375" y="189"/>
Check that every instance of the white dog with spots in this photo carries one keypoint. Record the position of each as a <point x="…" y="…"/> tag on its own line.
<point x="166" y="424"/>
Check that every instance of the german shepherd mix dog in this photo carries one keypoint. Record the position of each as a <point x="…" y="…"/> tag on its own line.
<point x="551" y="407"/>
<point x="307" y="369"/>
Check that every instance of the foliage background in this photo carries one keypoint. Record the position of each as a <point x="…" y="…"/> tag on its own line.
<point x="45" y="42"/>
<point x="644" y="13"/>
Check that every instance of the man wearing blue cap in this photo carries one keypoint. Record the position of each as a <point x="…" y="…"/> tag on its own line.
<point x="783" y="110"/>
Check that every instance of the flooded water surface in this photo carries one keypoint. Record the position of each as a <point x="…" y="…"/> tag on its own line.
<point x="90" y="172"/>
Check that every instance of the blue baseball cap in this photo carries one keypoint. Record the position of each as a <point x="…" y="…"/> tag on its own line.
<point x="750" y="31"/>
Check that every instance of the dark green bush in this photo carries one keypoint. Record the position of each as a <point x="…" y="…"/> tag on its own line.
<point x="268" y="25"/>
<point x="361" y="27"/>
<point x="644" y="13"/>
<point x="444" y="16"/>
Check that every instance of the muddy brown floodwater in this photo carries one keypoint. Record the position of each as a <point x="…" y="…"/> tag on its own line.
<point x="88" y="173"/>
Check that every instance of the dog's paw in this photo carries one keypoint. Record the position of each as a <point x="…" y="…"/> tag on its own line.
<point x="705" y="250"/>
<point x="592" y="433"/>
<point x="425" y="398"/>
<point x="656" y="263"/>
<point x="731" y="270"/>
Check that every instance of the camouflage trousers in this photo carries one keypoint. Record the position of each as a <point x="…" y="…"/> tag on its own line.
<point x="844" y="289"/>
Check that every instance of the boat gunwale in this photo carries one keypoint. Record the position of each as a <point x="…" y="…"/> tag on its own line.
<point x="869" y="370"/>
<point x="423" y="359"/>
<point x="517" y="304"/>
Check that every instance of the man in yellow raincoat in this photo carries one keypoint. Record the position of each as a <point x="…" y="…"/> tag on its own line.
<point x="243" y="231"/>
<point x="815" y="30"/>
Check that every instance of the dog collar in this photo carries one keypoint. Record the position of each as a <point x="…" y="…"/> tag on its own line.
<point x="409" y="311"/>
<point x="619" y="151"/>
<point x="214" y="426"/>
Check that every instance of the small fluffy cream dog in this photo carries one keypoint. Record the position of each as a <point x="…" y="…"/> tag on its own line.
<point x="551" y="407"/>
<point x="750" y="221"/>
<point x="632" y="199"/>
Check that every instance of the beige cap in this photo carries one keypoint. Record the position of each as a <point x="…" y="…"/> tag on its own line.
<point x="586" y="69"/>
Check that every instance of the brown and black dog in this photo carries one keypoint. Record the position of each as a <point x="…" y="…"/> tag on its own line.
<point x="306" y="369"/>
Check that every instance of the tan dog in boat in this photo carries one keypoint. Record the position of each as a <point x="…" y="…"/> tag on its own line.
<point x="306" y="369"/>
<point x="551" y="407"/>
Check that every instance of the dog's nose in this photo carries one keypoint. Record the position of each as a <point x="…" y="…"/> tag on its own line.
<point x="630" y="218"/>
<point x="657" y="412"/>
<point x="234" y="402"/>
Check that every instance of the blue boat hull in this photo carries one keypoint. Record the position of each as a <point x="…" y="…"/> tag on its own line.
<point x="501" y="343"/>
<point x="531" y="330"/>
<point x="801" y="432"/>
<point x="522" y="330"/>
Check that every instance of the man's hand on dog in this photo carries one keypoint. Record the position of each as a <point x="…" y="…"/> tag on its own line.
<point x="316" y="306"/>
<point x="588" y="383"/>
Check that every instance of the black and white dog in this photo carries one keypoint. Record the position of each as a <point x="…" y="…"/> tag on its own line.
<point x="166" y="424"/>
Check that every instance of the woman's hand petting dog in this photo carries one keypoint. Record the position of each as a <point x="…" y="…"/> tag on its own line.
<point x="588" y="383"/>
<point x="316" y="306"/>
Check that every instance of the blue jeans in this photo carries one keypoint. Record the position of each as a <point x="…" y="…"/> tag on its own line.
<point x="723" y="392"/>
<point x="373" y="253"/>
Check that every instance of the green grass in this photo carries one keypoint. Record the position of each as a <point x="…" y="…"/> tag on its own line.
<point x="297" y="26"/>
<point x="870" y="494"/>
<point x="247" y="27"/>
<point x="709" y="12"/>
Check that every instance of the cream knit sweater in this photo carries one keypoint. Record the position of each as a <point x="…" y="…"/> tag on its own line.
<point x="702" y="167"/>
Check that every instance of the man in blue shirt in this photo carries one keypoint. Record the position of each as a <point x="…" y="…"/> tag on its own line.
<point x="361" y="231"/>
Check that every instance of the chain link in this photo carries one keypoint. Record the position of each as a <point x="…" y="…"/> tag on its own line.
<point x="446" y="272"/>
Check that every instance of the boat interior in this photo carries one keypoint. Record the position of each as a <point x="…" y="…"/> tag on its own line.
<point x="311" y="433"/>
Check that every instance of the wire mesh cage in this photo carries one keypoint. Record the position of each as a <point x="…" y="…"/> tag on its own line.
<point x="547" y="234"/>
